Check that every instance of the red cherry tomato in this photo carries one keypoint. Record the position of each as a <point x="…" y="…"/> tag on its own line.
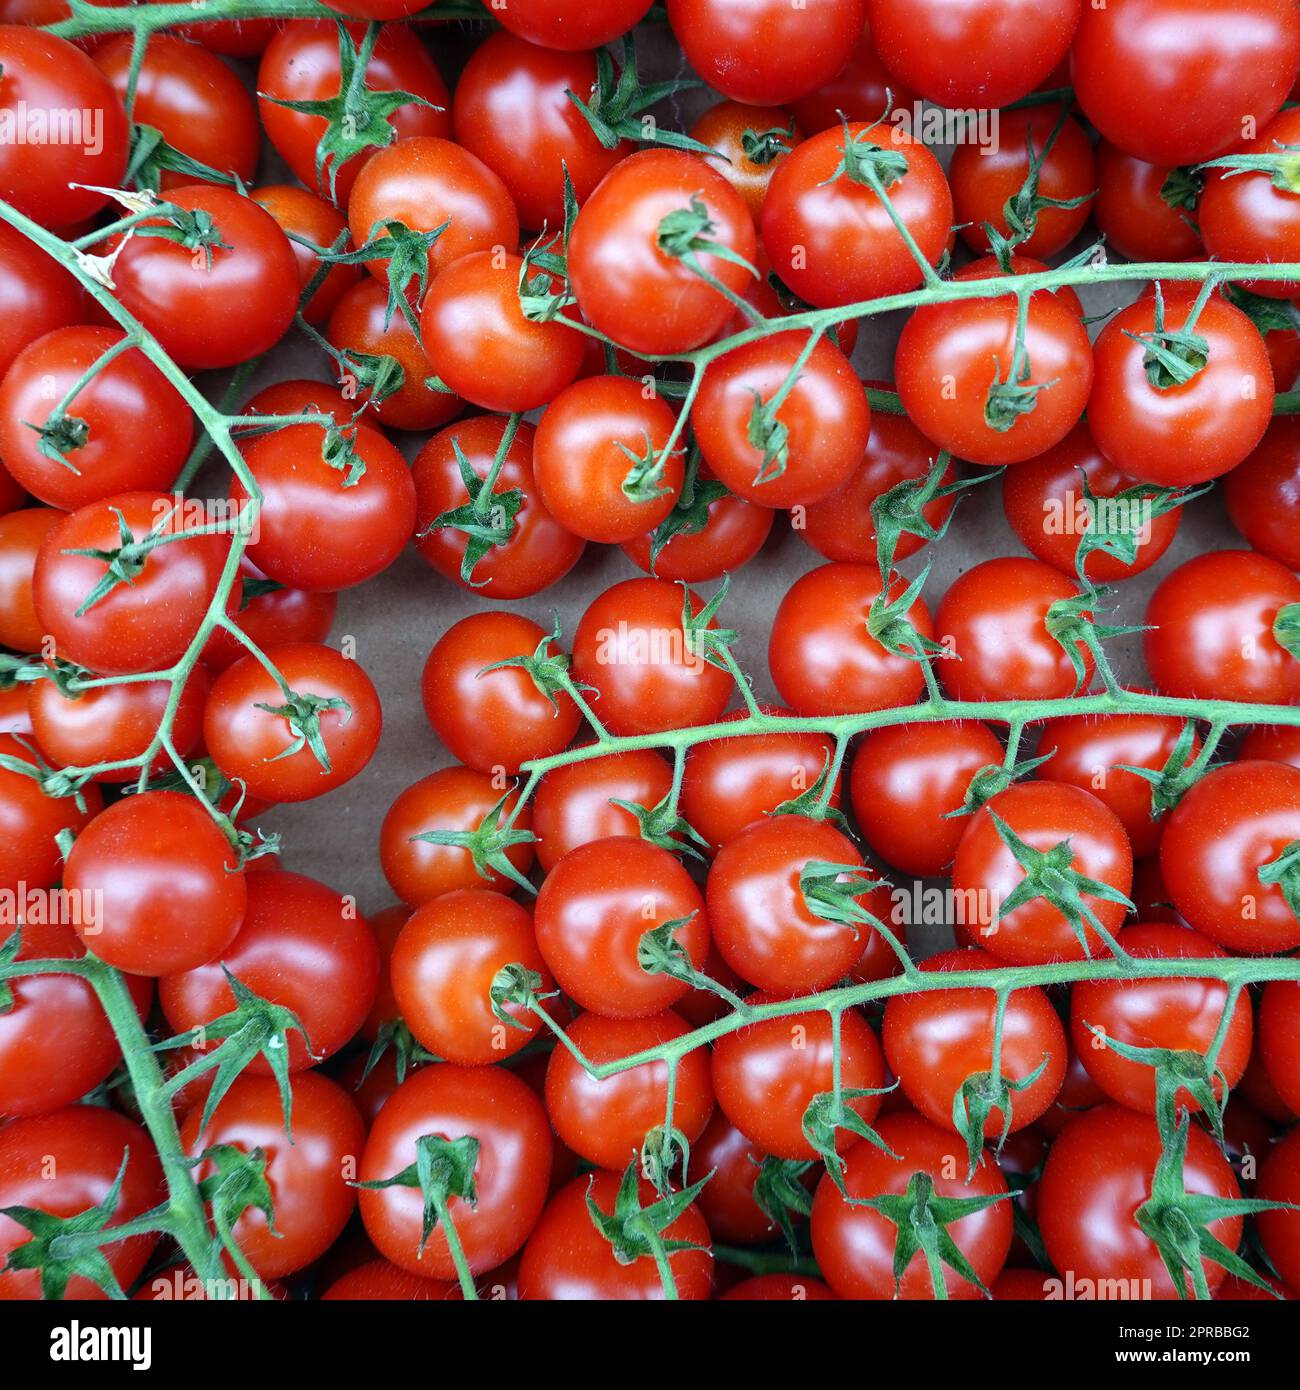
<point x="1279" y="1230"/>
<point x="30" y="820"/>
<point x="572" y="24"/>
<point x="301" y="214"/>
<point x="724" y="539"/>
<point x="36" y="295"/>
<point x="1279" y="1038"/>
<point x="1263" y="493"/>
<point x="862" y="89"/>
<point x="21" y="535"/>
<point x="1145" y="210"/>
<point x="272" y="616"/>
<point x="750" y="141"/>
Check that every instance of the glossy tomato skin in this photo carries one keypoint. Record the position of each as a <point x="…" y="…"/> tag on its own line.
<point x="779" y="1288"/>
<point x="822" y="657"/>
<point x="727" y="1199"/>
<point x="908" y="779"/>
<point x="734" y="532"/>
<point x="301" y="63"/>
<point x="723" y="128"/>
<point x="1210" y="631"/>
<point x="592" y="911"/>
<point x="862" y="89"/>
<point x="1043" y="814"/>
<point x="186" y="305"/>
<point x="46" y="77"/>
<point x="731" y="782"/>
<point x="301" y="213"/>
<point x="567" y="1258"/>
<point x="1183" y="1014"/>
<point x="1279" y="1038"/>
<point x="272" y="619"/>
<point x="21" y="534"/>
<point x="1231" y="822"/>
<point x="606" y="1121"/>
<point x="574" y="804"/>
<point x="831" y="240"/>
<point x="972" y="55"/>
<point x="30" y="821"/>
<point x="936" y="1040"/>
<point x="1098" y="1174"/>
<point x="766" y="1075"/>
<point x="854" y="1245"/>
<point x="511" y="1174"/>
<point x="307" y="1176"/>
<point x="631" y="648"/>
<point x="36" y="295"/>
<point x="513" y="111"/>
<point x="569" y="25"/>
<point x="1208" y="67"/>
<point x="1133" y="213"/>
<point x="445" y="961"/>
<point x="172" y="895"/>
<point x="1048" y="510"/>
<point x="825" y="415"/>
<point x="1271" y="743"/>
<point x="1263" y="493"/>
<point x="139" y="429"/>
<point x="141" y="626"/>
<point x="302" y="946"/>
<point x="539" y="550"/>
<point x="760" y="919"/>
<point x="56" y="1044"/>
<point x="64" y="1163"/>
<point x="493" y="720"/>
<point x="625" y="285"/>
<point x="949" y="355"/>
<point x="1093" y="754"/>
<point x="768" y="53"/>
<point x="587" y="442"/>
<point x="249" y="743"/>
<point x="1184" y="434"/>
<point x="381" y="1281"/>
<point x="1279" y="1181"/>
<point x="314" y="531"/>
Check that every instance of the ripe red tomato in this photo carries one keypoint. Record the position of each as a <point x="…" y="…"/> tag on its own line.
<point x="1134" y="210"/>
<point x="140" y="626"/>
<point x="1210" y="630"/>
<point x="1179" y="1013"/>
<point x="250" y="725"/>
<point x="1232" y="822"/>
<point x="1279" y="1230"/>
<point x="727" y="1200"/>
<point x="987" y="54"/>
<point x="606" y="1121"/>
<point x="1279" y="1038"/>
<point x="809" y="447"/>
<point x="30" y="820"/>
<point x="567" y="1258"/>
<point x="822" y="655"/>
<point x="494" y="720"/>
<point x="862" y="89"/>
<point x="64" y="1163"/>
<point x="731" y="782"/>
<point x="908" y="779"/>
<point x="595" y="459"/>
<point x="537" y="552"/>
<point x="21" y="534"/>
<point x="830" y="239"/>
<point x="52" y="88"/>
<point x="760" y="917"/>
<point x="511" y="1173"/>
<point x="574" y="804"/>
<point x="854" y="1245"/>
<point x="302" y="946"/>
<point x="993" y="620"/>
<point x="951" y="356"/>
<point x="767" y="1074"/>
<point x="1263" y="493"/>
<point x="1049" y="511"/>
<point x="455" y="799"/>
<point x="1210" y="70"/>
<point x="750" y="141"/>
<point x="779" y="1288"/>
<point x="36" y="295"/>
<point x="273" y="618"/>
<point x="733" y="532"/>
<point x="572" y="24"/>
<point x="626" y="285"/>
<point x="183" y="295"/>
<point x="1098" y="1174"/>
<point x="646" y="674"/>
<point x="935" y="1041"/>
<point x="985" y="872"/>
<point x="307" y="1174"/>
<point x="167" y="892"/>
<point x="513" y="111"/>
<point x="990" y="268"/>
<point x="301" y="63"/>
<point x="301" y="214"/>
<point x="1273" y="743"/>
<point x="137" y="430"/>
<point x="595" y="906"/>
<point x="381" y="1281"/>
<point x="985" y="179"/>
<point x="1180" y="434"/>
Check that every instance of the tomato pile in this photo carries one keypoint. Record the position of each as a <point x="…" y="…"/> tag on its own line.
<point x="642" y="1021"/>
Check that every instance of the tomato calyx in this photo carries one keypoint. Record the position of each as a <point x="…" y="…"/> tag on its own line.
<point x="635" y="1232"/>
<point x="488" y="845"/>
<point x="986" y="782"/>
<point x="1174" y="356"/>
<point x="1286" y="628"/>
<point x="54" y="782"/>
<point x="1008" y="400"/>
<point x="302" y="712"/>
<point x="1116" y="523"/>
<point x="357" y="117"/>
<point x="548" y="670"/>
<point x="487" y="519"/>
<point x="644" y="481"/>
<point x="237" y="1184"/>
<point x="921" y="1218"/>
<point x="814" y="802"/>
<point x="377" y="374"/>
<point x="901" y="509"/>
<point x="867" y="162"/>
<point x="889" y="624"/>
<point x="1070" y="624"/>
<point x="663" y="825"/>
<point x="1022" y="208"/>
<point x="193" y="228"/>
<point x="827" y="1114"/>
<point x="1181" y="189"/>
<point x="686" y="234"/>
<point x="780" y="1195"/>
<point x="660" y="952"/>
<point x="1177" y="1221"/>
<point x="763" y="147"/>
<point x="516" y="985"/>
<point x="978" y="1096"/>
<point x="1283" y="167"/>
<point x="63" y="1247"/>
<point x="1283" y="872"/>
<point x="443" y="1168"/>
<point x="832" y="892"/>
<point x="1179" y="773"/>
<point x="711" y="644"/>
<point x="1050" y="875"/>
<point x="1268" y="315"/>
<point x="394" y="1035"/>
<point x="407" y="254"/>
<point x="124" y="563"/>
<point x="151" y="156"/>
<point x="690" y="514"/>
<point x="61" y="435"/>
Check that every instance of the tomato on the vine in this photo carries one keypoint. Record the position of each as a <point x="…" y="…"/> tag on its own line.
<point x="30" y="820"/>
<point x="1262" y="494"/>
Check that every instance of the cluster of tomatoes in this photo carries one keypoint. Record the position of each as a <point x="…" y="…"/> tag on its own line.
<point x="601" y="330"/>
